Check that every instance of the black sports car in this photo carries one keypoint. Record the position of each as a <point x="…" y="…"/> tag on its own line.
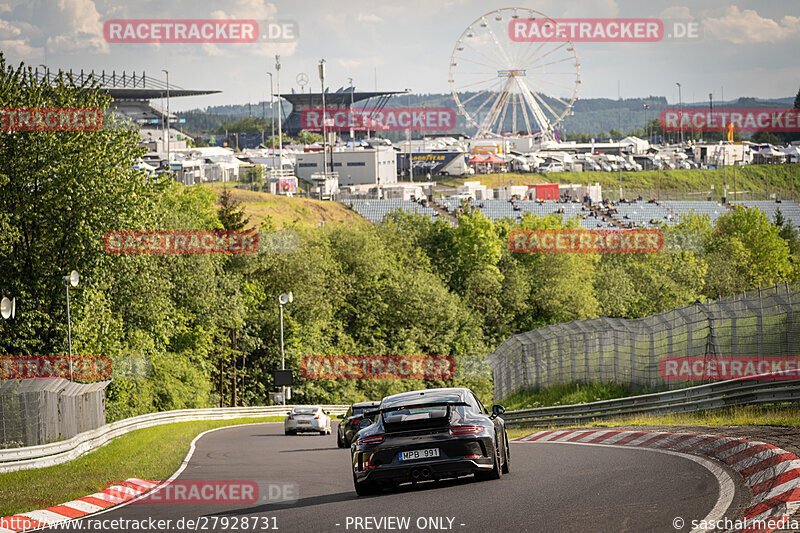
<point x="429" y="434"/>
<point x="351" y="420"/>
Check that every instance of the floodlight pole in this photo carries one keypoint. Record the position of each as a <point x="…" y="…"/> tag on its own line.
<point x="280" y="115"/>
<point x="680" y="103"/>
<point x="69" y="328"/>
<point x="271" y="112"/>
<point x="410" y="155"/>
<point x="324" y="129"/>
<point x="169" y="164"/>
<point x="283" y="359"/>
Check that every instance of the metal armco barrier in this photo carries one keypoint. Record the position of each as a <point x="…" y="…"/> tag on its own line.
<point x="688" y="400"/>
<point x="55" y="453"/>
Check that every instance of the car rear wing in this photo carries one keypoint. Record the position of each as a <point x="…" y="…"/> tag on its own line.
<point x="376" y="412"/>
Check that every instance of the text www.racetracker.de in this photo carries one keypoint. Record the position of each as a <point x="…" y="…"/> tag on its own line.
<point x="200" y="523"/>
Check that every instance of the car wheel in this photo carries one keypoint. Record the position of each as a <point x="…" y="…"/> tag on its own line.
<point x="287" y="432"/>
<point x="339" y="441"/>
<point x="507" y="457"/>
<point x="496" y="472"/>
<point x="366" y="488"/>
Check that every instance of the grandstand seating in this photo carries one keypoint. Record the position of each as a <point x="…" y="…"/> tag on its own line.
<point x="641" y="214"/>
<point x="500" y="209"/>
<point x="789" y="209"/>
<point x="376" y="210"/>
<point x="681" y="207"/>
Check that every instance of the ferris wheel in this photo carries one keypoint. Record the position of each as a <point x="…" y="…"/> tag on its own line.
<point x="502" y="85"/>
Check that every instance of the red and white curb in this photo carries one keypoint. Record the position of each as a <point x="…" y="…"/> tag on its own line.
<point x="116" y="494"/>
<point x="771" y="473"/>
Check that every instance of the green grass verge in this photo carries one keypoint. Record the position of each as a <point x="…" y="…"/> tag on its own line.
<point x="731" y="416"/>
<point x="152" y="453"/>
<point x="568" y="394"/>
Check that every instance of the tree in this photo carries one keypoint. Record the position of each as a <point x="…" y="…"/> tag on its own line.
<point x="231" y="212"/>
<point x="746" y="251"/>
<point x="60" y="191"/>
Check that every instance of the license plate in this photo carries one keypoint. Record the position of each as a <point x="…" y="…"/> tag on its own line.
<point x="419" y="454"/>
<point x="301" y="422"/>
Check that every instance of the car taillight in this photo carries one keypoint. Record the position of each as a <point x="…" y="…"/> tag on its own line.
<point x="316" y="417"/>
<point x="465" y="430"/>
<point x="473" y="456"/>
<point x="289" y="417"/>
<point x="369" y="441"/>
<point x="355" y="421"/>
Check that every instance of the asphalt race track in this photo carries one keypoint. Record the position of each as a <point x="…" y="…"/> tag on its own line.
<point x="552" y="487"/>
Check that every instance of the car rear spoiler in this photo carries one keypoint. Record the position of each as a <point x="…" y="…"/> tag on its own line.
<point x="377" y="412"/>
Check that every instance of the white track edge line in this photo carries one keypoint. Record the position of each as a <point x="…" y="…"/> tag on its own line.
<point x="178" y="472"/>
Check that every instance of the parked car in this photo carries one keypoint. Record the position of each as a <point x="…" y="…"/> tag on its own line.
<point x="552" y="167"/>
<point x="351" y="420"/>
<point x="428" y="435"/>
<point x="307" y="419"/>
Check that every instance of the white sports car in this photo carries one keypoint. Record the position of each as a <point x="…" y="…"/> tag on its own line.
<point x="309" y="418"/>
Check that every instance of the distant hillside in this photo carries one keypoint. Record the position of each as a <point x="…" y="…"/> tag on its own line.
<point x="592" y="115"/>
<point x="283" y="211"/>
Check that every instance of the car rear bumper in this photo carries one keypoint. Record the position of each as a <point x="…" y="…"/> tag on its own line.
<point x="424" y="470"/>
<point x="317" y="427"/>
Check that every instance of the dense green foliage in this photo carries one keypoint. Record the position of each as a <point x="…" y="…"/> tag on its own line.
<point x="198" y="330"/>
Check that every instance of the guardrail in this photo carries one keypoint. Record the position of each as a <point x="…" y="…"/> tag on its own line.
<point x="691" y="399"/>
<point x="55" y="453"/>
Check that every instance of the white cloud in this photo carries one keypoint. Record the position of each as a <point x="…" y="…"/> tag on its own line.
<point x="364" y="17"/>
<point x="349" y="63"/>
<point x="63" y="26"/>
<point x="677" y="13"/>
<point x="747" y="26"/>
<point x="250" y="9"/>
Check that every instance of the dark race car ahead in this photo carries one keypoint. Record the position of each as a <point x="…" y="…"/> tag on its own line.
<point x="426" y="435"/>
<point x="351" y="422"/>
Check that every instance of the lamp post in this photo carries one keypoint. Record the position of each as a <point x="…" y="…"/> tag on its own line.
<point x="169" y="165"/>
<point x="408" y="140"/>
<point x="72" y="279"/>
<point x="271" y="112"/>
<point x="646" y="107"/>
<point x="283" y="299"/>
<point x="680" y="113"/>
<point x="280" y="114"/>
<point x="324" y="126"/>
<point x="8" y="308"/>
<point x="349" y="120"/>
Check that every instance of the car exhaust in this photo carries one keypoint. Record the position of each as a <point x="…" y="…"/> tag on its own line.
<point x="416" y="473"/>
<point x="425" y="473"/>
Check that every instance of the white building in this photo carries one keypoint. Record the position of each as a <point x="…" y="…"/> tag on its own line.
<point x="378" y="167"/>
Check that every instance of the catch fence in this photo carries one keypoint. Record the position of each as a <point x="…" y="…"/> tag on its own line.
<point x="757" y="324"/>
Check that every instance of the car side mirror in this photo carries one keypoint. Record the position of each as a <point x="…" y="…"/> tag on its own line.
<point x="497" y="410"/>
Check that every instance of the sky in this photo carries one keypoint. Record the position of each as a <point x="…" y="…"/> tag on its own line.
<point x="745" y="47"/>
